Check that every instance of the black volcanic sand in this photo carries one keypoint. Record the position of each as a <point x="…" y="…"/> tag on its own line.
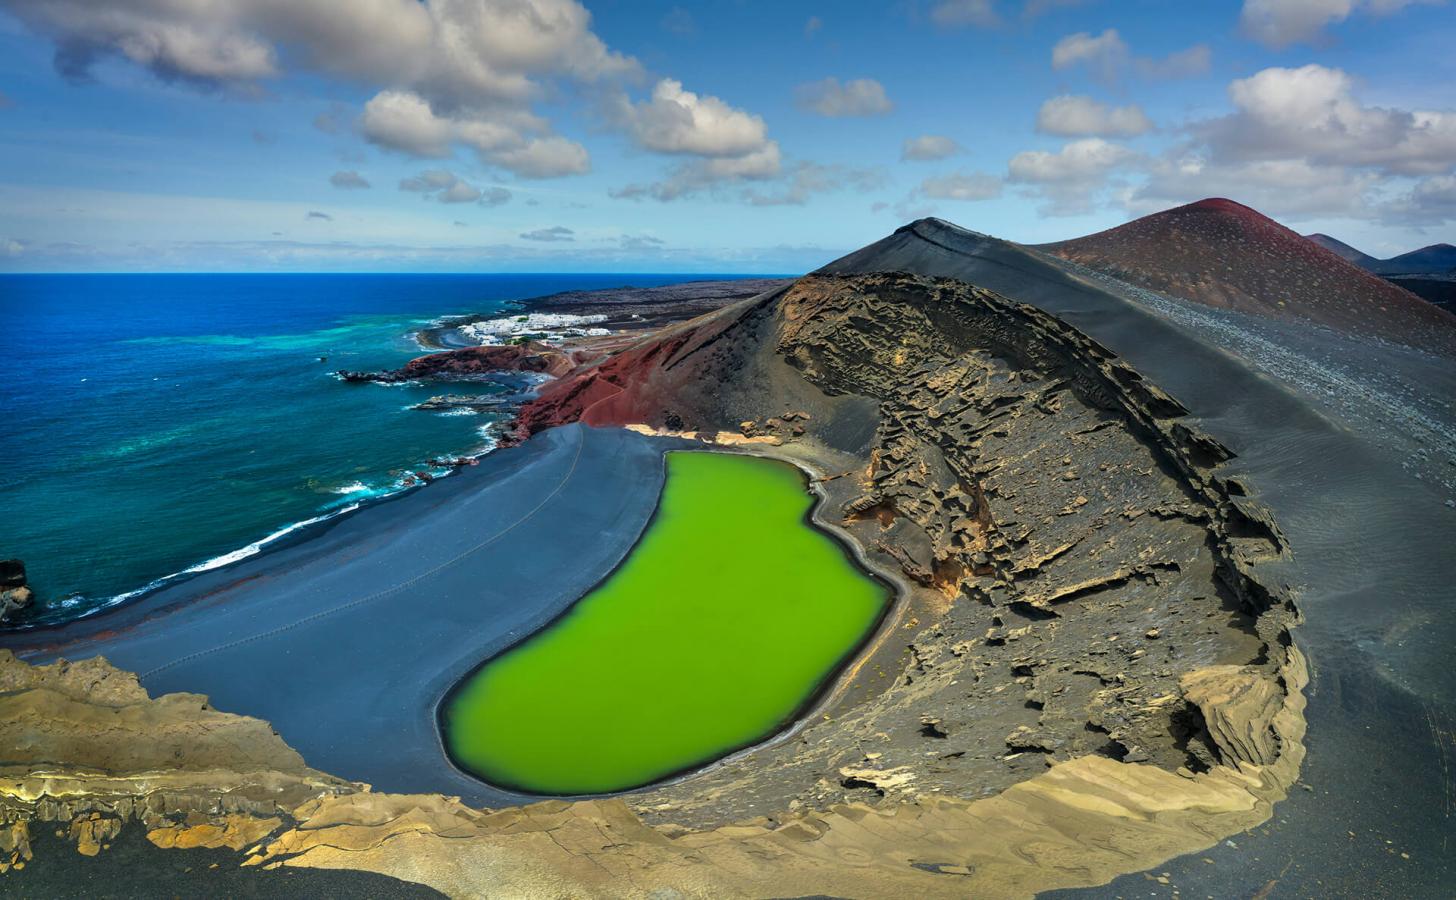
<point x="132" y="868"/>
<point x="346" y="640"/>
<point x="1373" y="560"/>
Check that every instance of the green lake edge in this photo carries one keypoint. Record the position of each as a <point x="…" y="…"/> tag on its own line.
<point x="894" y="593"/>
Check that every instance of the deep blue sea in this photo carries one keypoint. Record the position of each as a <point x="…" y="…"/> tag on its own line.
<point x="152" y="424"/>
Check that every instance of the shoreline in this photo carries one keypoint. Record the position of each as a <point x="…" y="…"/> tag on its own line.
<point x="676" y="299"/>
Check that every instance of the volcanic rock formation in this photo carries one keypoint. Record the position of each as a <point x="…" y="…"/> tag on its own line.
<point x="1223" y="254"/>
<point x="1066" y="523"/>
<point x="15" y="593"/>
<point x="473" y="363"/>
<point x="1088" y="669"/>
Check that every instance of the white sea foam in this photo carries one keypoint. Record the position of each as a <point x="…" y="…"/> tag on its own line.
<point x="257" y="546"/>
<point x="555" y="326"/>
<point x="354" y="495"/>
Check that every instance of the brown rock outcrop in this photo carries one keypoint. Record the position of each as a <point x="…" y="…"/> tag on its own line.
<point x="83" y="744"/>
<point x="15" y="593"/>
<point x="474" y="362"/>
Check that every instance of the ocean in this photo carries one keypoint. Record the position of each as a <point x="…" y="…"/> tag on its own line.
<point x="156" y="425"/>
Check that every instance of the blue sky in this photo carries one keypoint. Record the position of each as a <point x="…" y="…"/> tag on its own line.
<point x="542" y="135"/>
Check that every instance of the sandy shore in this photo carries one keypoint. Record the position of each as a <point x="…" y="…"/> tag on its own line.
<point x="347" y="640"/>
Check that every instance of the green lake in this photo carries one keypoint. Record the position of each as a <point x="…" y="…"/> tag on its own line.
<point x="721" y="624"/>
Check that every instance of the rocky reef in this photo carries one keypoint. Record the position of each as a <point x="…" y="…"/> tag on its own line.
<point x="1089" y="669"/>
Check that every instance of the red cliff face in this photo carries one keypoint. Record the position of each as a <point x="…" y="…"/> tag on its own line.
<point x="1224" y="254"/>
<point x="638" y="384"/>
<point x="530" y="357"/>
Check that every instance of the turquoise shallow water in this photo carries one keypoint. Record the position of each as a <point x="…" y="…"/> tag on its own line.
<point x="156" y="423"/>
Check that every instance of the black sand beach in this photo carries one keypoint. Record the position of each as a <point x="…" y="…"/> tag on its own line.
<point x="346" y="641"/>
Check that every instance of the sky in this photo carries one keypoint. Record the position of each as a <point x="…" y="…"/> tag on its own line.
<point x="732" y="136"/>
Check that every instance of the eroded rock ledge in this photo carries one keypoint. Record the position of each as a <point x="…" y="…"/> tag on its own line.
<point x="1088" y="672"/>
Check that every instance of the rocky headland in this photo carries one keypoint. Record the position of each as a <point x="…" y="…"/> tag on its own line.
<point x="473" y="364"/>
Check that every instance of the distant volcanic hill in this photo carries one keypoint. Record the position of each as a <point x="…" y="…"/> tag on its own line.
<point x="1363" y="260"/>
<point x="1429" y="273"/>
<point x="1224" y="254"/>
<point x="1437" y="259"/>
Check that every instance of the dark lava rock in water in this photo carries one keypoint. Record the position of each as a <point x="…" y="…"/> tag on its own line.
<point x="15" y="594"/>
<point x="473" y="362"/>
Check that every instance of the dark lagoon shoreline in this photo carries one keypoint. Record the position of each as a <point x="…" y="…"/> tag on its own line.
<point x="890" y="584"/>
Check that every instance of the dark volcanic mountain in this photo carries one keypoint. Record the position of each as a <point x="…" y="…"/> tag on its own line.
<point x="1437" y="259"/>
<point x="1340" y="248"/>
<point x="1224" y="254"/>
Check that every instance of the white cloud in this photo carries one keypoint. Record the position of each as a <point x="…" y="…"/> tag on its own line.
<point x="1069" y="179"/>
<point x="348" y="181"/>
<point x="553" y="234"/>
<point x="404" y="121"/>
<point x="1279" y="23"/>
<point x="1431" y="201"/>
<point x="1076" y="161"/>
<point x="1300" y="144"/>
<point x="447" y="72"/>
<point x="828" y="97"/>
<point x="674" y="120"/>
<point x="548" y="157"/>
<point x="985" y="14"/>
<point x="1079" y="116"/>
<point x="731" y="144"/>
<point x="407" y="123"/>
<point x="1287" y="189"/>
<point x="1106" y="55"/>
<point x="809" y="178"/>
<point x="447" y="187"/>
<point x="813" y="26"/>
<point x="1311" y="113"/>
<point x="710" y="174"/>
<point x="1195" y="60"/>
<point x="959" y="186"/>
<point x="929" y="147"/>
<point x="1103" y="54"/>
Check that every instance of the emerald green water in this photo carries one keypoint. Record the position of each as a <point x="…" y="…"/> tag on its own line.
<point x="723" y="621"/>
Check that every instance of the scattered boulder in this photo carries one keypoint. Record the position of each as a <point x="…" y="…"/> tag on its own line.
<point x="15" y="593"/>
